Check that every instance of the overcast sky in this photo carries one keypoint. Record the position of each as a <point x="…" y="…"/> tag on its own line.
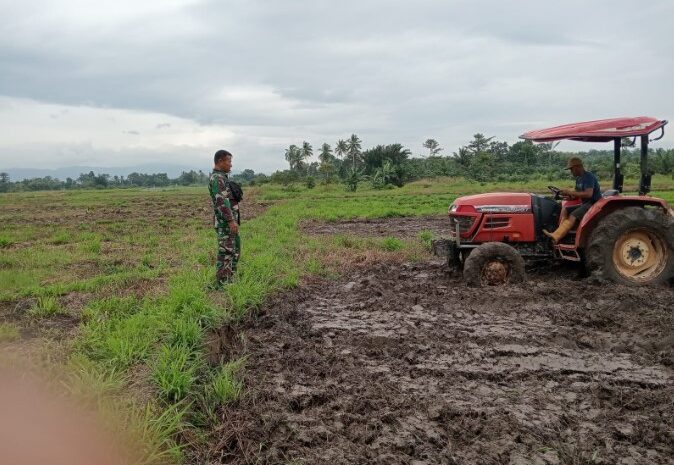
<point x="130" y="82"/>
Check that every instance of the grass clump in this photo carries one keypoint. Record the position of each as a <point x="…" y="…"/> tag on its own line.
<point x="153" y="430"/>
<point x="391" y="244"/>
<point x="14" y="278"/>
<point x="45" y="307"/>
<point x="426" y="238"/>
<point x="347" y="242"/>
<point x="225" y="387"/>
<point x="60" y="238"/>
<point x="110" y="308"/>
<point x="174" y="371"/>
<point x="148" y="260"/>
<point x="93" y="246"/>
<point x="187" y="299"/>
<point x="5" y="242"/>
<point x="8" y="332"/>
<point x="186" y="333"/>
<point x="122" y="350"/>
<point x="119" y="332"/>
<point x="90" y="381"/>
<point x="126" y="341"/>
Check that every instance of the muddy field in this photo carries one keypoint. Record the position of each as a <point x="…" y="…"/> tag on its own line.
<point x="402" y="227"/>
<point x="402" y="364"/>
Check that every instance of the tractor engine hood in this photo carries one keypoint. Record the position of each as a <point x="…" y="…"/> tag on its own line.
<point x="495" y="202"/>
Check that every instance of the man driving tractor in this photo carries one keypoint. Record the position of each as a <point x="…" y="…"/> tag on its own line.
<point x="623" y="238"/>
<point x="587" y="190"/>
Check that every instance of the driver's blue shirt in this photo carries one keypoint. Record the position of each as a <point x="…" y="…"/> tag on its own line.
<point x="585" y="181"/>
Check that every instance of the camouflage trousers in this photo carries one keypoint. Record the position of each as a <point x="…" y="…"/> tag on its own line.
<point x="229" y="250"/>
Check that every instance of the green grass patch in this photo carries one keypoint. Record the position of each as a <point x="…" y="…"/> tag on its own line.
<point x="45" y="307"/>
<point x="91" y="382"/>
<point x="174" y="372"/>
<point x="8" y="332"/>
<point x="92" y="246"/>
<point x="110" y="308"/>
<point x="115" y="281"/>
<point x="225" y="387"/>
<point x="187" y="300"/>
<point x="348" y="242"/>
<point x="154" y="430"/>
<point x="120" y="342"/>
<point x="391" y="244"/>
<point x="12" y="279"/>
<point x="8" y="262"/>
<point x="186" y="332"/>
<point x="62" y="237"/>
<point x="5" y="242"/>
<point x="426" y="238"/>
<point x="44" y="258"/>
<point x="315" y="267"/>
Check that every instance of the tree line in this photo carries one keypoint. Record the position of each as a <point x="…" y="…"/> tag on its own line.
<point x="93" y="180"/>
<point x="482" y="159"/>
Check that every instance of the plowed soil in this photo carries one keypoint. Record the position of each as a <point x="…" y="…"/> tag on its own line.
<point x="403" y="227"/>
<point x="403" y="364"/>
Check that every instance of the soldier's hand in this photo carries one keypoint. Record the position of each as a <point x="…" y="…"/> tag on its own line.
<point x="233" y="227"/>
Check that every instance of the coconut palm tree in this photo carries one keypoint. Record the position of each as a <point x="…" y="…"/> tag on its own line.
<point x="341" y="148"/>
<point x="326" y="154"/>
<point x="354" y="145"/>
<point x="307" y="150"/>
<point x="293" y="157"/>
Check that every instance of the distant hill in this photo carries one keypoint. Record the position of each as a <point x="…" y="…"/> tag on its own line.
<point x="173" y="171"/>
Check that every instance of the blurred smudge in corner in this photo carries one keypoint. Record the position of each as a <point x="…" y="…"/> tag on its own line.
<point x="38" y="427"/>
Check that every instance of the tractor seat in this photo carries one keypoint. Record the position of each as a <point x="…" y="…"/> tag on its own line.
<point x="610" y="193"/>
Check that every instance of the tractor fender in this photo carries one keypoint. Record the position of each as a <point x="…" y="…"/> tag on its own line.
<point x="608" y="205"/>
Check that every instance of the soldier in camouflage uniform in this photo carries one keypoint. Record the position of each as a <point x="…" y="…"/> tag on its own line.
<point x="226" y="215"/>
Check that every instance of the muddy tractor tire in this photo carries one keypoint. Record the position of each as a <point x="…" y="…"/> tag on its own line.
<point x="633" y="246"/>
<point x="443" y="248"/>
<point x="493" y="264"/>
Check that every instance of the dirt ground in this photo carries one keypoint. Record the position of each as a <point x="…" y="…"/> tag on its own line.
<point x="403" y="364"/>
<point x="403" y="227"/>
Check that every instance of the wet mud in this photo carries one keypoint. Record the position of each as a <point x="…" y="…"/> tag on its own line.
<point x="403" y="364"/>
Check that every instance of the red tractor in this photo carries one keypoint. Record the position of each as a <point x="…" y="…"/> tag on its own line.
<point x="622" y="238"/>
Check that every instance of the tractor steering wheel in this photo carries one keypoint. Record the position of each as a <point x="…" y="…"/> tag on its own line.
<point x="556" y="191"/>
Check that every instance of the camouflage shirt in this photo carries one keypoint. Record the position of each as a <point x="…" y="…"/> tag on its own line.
<point x="225" y="208"/>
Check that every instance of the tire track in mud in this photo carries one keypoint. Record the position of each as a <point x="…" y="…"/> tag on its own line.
<point x="402" y="364"/>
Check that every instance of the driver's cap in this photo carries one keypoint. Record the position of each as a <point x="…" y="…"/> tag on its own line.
<point x="573" y="161"/>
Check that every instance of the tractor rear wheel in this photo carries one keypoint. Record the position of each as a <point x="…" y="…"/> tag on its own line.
<point x="493" y="264"/>
<point x="633" y="246"/>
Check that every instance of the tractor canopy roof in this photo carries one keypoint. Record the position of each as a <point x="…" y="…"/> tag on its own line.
<point x="603" y="130"/>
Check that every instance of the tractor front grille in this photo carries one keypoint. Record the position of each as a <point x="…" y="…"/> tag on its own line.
<point x="465" y="223"/>
<point x="500" y="222"/>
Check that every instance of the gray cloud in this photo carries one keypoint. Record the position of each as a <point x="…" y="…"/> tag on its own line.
<point x="250" y="154"/>
<point x="391" y="71"/>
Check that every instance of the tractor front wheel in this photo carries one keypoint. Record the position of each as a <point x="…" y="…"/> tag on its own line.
<point x="633" y="246"/>
<point x="493" y="264"/>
